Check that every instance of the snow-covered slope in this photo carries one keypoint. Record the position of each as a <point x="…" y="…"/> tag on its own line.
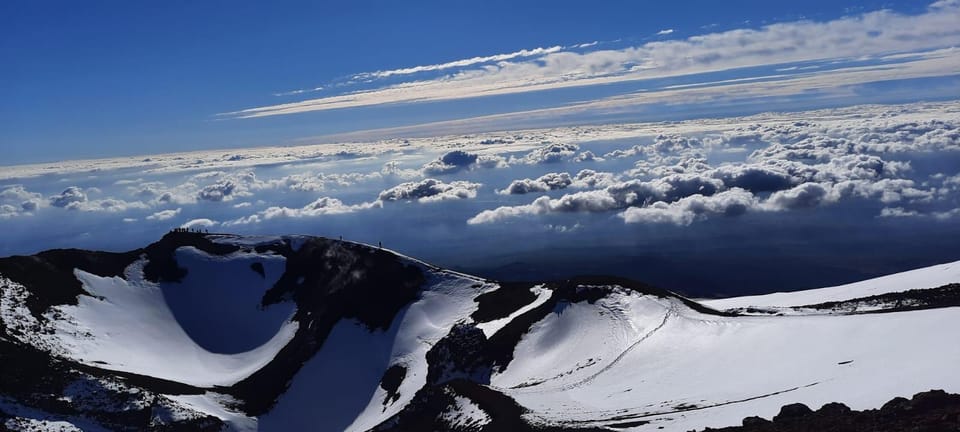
<point x="204" y="332"/>
<point x="640" y="358"/>
<point x="928" y="277"/>
<point x="170" y="330"/>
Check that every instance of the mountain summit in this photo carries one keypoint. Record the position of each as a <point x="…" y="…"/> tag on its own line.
<point x="213" y="331"/>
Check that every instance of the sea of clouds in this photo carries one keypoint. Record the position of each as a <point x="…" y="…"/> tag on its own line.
<point x="813" y="185"/>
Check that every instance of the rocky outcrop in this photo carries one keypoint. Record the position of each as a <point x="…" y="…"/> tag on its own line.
<point x="931" y="411"/>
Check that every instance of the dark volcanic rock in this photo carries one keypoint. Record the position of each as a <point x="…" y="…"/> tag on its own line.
<point x="896" y="405"/>
<point x="459" y="355"/>
<point x="834" y="409"/>
<point x="258" y="268"/>
<point x="391" y="381"/>
<point x="50" y="275"/>
<point x="328" y="280"/>
<point x="931" y="411"/>
<point x="792" y="412"/>
<point x="755" y="421"/>
<point x="503" y="301"/>
<point x="915" y="299"/>
<point x="161" y="256"/>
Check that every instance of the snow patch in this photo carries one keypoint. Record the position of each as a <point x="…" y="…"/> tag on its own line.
<point x="490" y="328"/>
<point x="464" y="413"/>
<point x="215" y="404"/>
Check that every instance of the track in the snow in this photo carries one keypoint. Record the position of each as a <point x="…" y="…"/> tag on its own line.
<point x="666" y="317"/>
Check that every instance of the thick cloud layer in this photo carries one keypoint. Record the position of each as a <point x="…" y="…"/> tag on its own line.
<point x="16" y="200"/>
<point x="430" y="190"/>
<point x="733" y="202"/>
<point x="614" y="197"/>
<point x="546" y="182"/>
<point x="218" y="191"/>
<point x="320" y="207"/>
<point x="458" y="160"/>
<point x="164" y="215"/>
<point x="71" y="197"/>
<point x="585" y="179"/>
<point x="555" y="153"/>
<point x="788" y="167"/>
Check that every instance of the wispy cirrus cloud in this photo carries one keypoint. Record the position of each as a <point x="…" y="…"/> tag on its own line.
<point x="299" y="91"/>
<point x="473" y="61"/>
<point x="853" y="40"/>
<point x="459" y="63"/>
<point x="711" y="97"/>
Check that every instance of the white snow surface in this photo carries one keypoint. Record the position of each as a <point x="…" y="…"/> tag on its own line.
<point x="628" y="357"/>
<point x="134" y="325"/>
<point x="580" y="339"/>
<point x="643" y="358"/>
<point x="927" y="277"/>
<point x="218" y="302"/>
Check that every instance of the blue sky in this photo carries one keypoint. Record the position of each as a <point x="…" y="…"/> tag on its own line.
<point x="748" y="140"/>
<point x="117" y="78"/>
